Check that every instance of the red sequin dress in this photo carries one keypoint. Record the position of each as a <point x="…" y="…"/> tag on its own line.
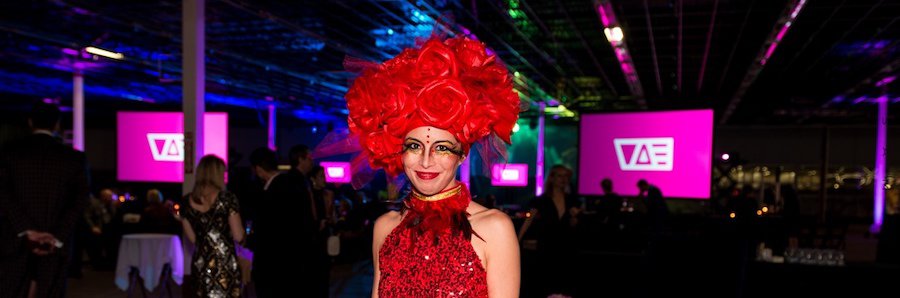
<point x="430" y="254"/>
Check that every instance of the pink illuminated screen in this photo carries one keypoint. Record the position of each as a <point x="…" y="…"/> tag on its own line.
<point x="337" y="172"/>
<point x="511" y="174"/>
<point x="672" y="150"/>
<point x="151" y="144"/>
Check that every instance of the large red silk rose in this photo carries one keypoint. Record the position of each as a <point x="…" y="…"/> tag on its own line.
<point x="442" y="102"/>
<point x="363" y="104"/>
<point x="435" y="60"/>
<point x="471" y="54"/>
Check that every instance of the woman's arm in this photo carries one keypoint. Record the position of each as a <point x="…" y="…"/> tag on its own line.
<point x="188" y="231"/>
<point x="237" y="228"/>
<point x="502" y="256"/>
<point x="328" y="196"/>
<point x="527" y="223"/>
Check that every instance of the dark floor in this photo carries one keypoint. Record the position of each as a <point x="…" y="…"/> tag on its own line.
<point x="348" y="280"/>
<point x="716" y="263"/>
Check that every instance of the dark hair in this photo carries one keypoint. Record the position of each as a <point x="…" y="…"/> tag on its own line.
<point x="316" y="169"/>
<point x="606" y="184"/>
<point x="642" y="183"/>
<point x="296" y="153"/>
<point x="548" y="183"/>
<point x="44" y="115"/>
<point x="264" y="158"/>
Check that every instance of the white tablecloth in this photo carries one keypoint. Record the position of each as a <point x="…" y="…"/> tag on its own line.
<point x="149" y="253"/>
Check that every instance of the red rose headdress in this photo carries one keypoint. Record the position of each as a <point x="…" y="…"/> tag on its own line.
<point x="450" y="84"/>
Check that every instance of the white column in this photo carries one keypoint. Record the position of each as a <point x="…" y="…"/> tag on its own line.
<point x="880" y="162"/>
<point x="539" y="165"/>
<point x="78" y="110"/>
<point x="193" y="64"/>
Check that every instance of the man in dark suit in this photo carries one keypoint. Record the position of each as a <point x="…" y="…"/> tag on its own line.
<point x="283" y="230"/>
<point x="43" y="189"/>
<point x="320" y="267"/>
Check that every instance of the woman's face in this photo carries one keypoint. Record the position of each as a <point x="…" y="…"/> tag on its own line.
<point x="559" y="178"/>
<point x="318" y="180"/>
<point x="430" y="159"/>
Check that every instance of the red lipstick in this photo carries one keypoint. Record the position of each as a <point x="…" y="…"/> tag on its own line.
<point x="426" y="175"/>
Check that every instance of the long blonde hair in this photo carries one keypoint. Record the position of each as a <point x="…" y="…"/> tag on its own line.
<point x="209" y="174"/>
<point x="548" y="182"/>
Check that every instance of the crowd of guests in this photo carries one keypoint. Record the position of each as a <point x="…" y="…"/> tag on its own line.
<point x="288" y="219"/>
<point x="559" y="224"/>
<point x="53" y="227"/>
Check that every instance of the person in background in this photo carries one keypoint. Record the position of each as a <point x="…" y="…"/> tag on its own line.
<point x="602" y="215"/>
<point x="158" y="216"/>
<point x="657" y="209"/>
<point x="325" y="212"/>
<point x="554" y="217"/>
<point x="323" y="196"/>
<point x="97" y="216"/>
<point x="284" y="231"/>
<point x="212" y="221"/>
<point x="301" y="173"/>
<point x="43" y="192"/>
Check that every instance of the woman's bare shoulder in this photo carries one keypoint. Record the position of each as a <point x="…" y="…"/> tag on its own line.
<point x="387" y="222"/>
<point x="490" y="223"/>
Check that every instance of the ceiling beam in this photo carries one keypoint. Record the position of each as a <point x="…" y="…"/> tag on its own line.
<point x="679" y="9"/>
<point x="712" y="25"/>
<point x="788" y="15"/>
<point x="534" y="47"/>
<point x="846" y="33"/>
<point x="616" y="38"/>
<point x="659" y="88"/>
<point x="587" y="47"/>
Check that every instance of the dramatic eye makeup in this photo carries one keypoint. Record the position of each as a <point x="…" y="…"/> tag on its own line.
<point x="412" y="145"/>
<point x="441" y="147"/>
<point x="445" y="147"/>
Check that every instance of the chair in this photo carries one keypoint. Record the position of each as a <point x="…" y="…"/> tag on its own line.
<point x="134" y="278"/>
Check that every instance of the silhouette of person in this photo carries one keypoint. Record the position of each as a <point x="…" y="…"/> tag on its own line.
<point x="43" y="192"/>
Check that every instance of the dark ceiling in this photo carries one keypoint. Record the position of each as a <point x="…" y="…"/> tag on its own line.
<point x="687" y="54"/>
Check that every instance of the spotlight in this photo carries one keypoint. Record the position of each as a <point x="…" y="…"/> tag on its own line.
<point x="726" y="156"/>
<point x="104" y="53"/>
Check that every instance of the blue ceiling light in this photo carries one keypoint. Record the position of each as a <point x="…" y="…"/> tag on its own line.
<point x="870" y="48"/>
<point x="26" y="84"/>
<point x="420" y="25"/>
<point x="310" y="115"/>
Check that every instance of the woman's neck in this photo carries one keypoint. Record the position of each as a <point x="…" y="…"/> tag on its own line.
<point x="453" y="184"/>
<point x="209" y="194"/>
<point x="557" y="193"/>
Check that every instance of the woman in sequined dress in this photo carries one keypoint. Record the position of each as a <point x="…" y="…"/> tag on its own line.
<point x="419" y="114"/>
<point x="212" y="222"/>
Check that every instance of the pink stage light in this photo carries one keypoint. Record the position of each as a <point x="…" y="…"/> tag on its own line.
<point x="337" y="171"/>
<point x="512" y="174"/>
<point x="781" y="32"/>
<point x="604" y="18"/>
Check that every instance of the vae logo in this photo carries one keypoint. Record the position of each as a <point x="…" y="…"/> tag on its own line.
<point x="166" y="146"/>
<point x="646" y="154"/>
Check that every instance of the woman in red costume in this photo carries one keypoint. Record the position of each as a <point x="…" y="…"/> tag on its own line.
<point x="419" y="114"/>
